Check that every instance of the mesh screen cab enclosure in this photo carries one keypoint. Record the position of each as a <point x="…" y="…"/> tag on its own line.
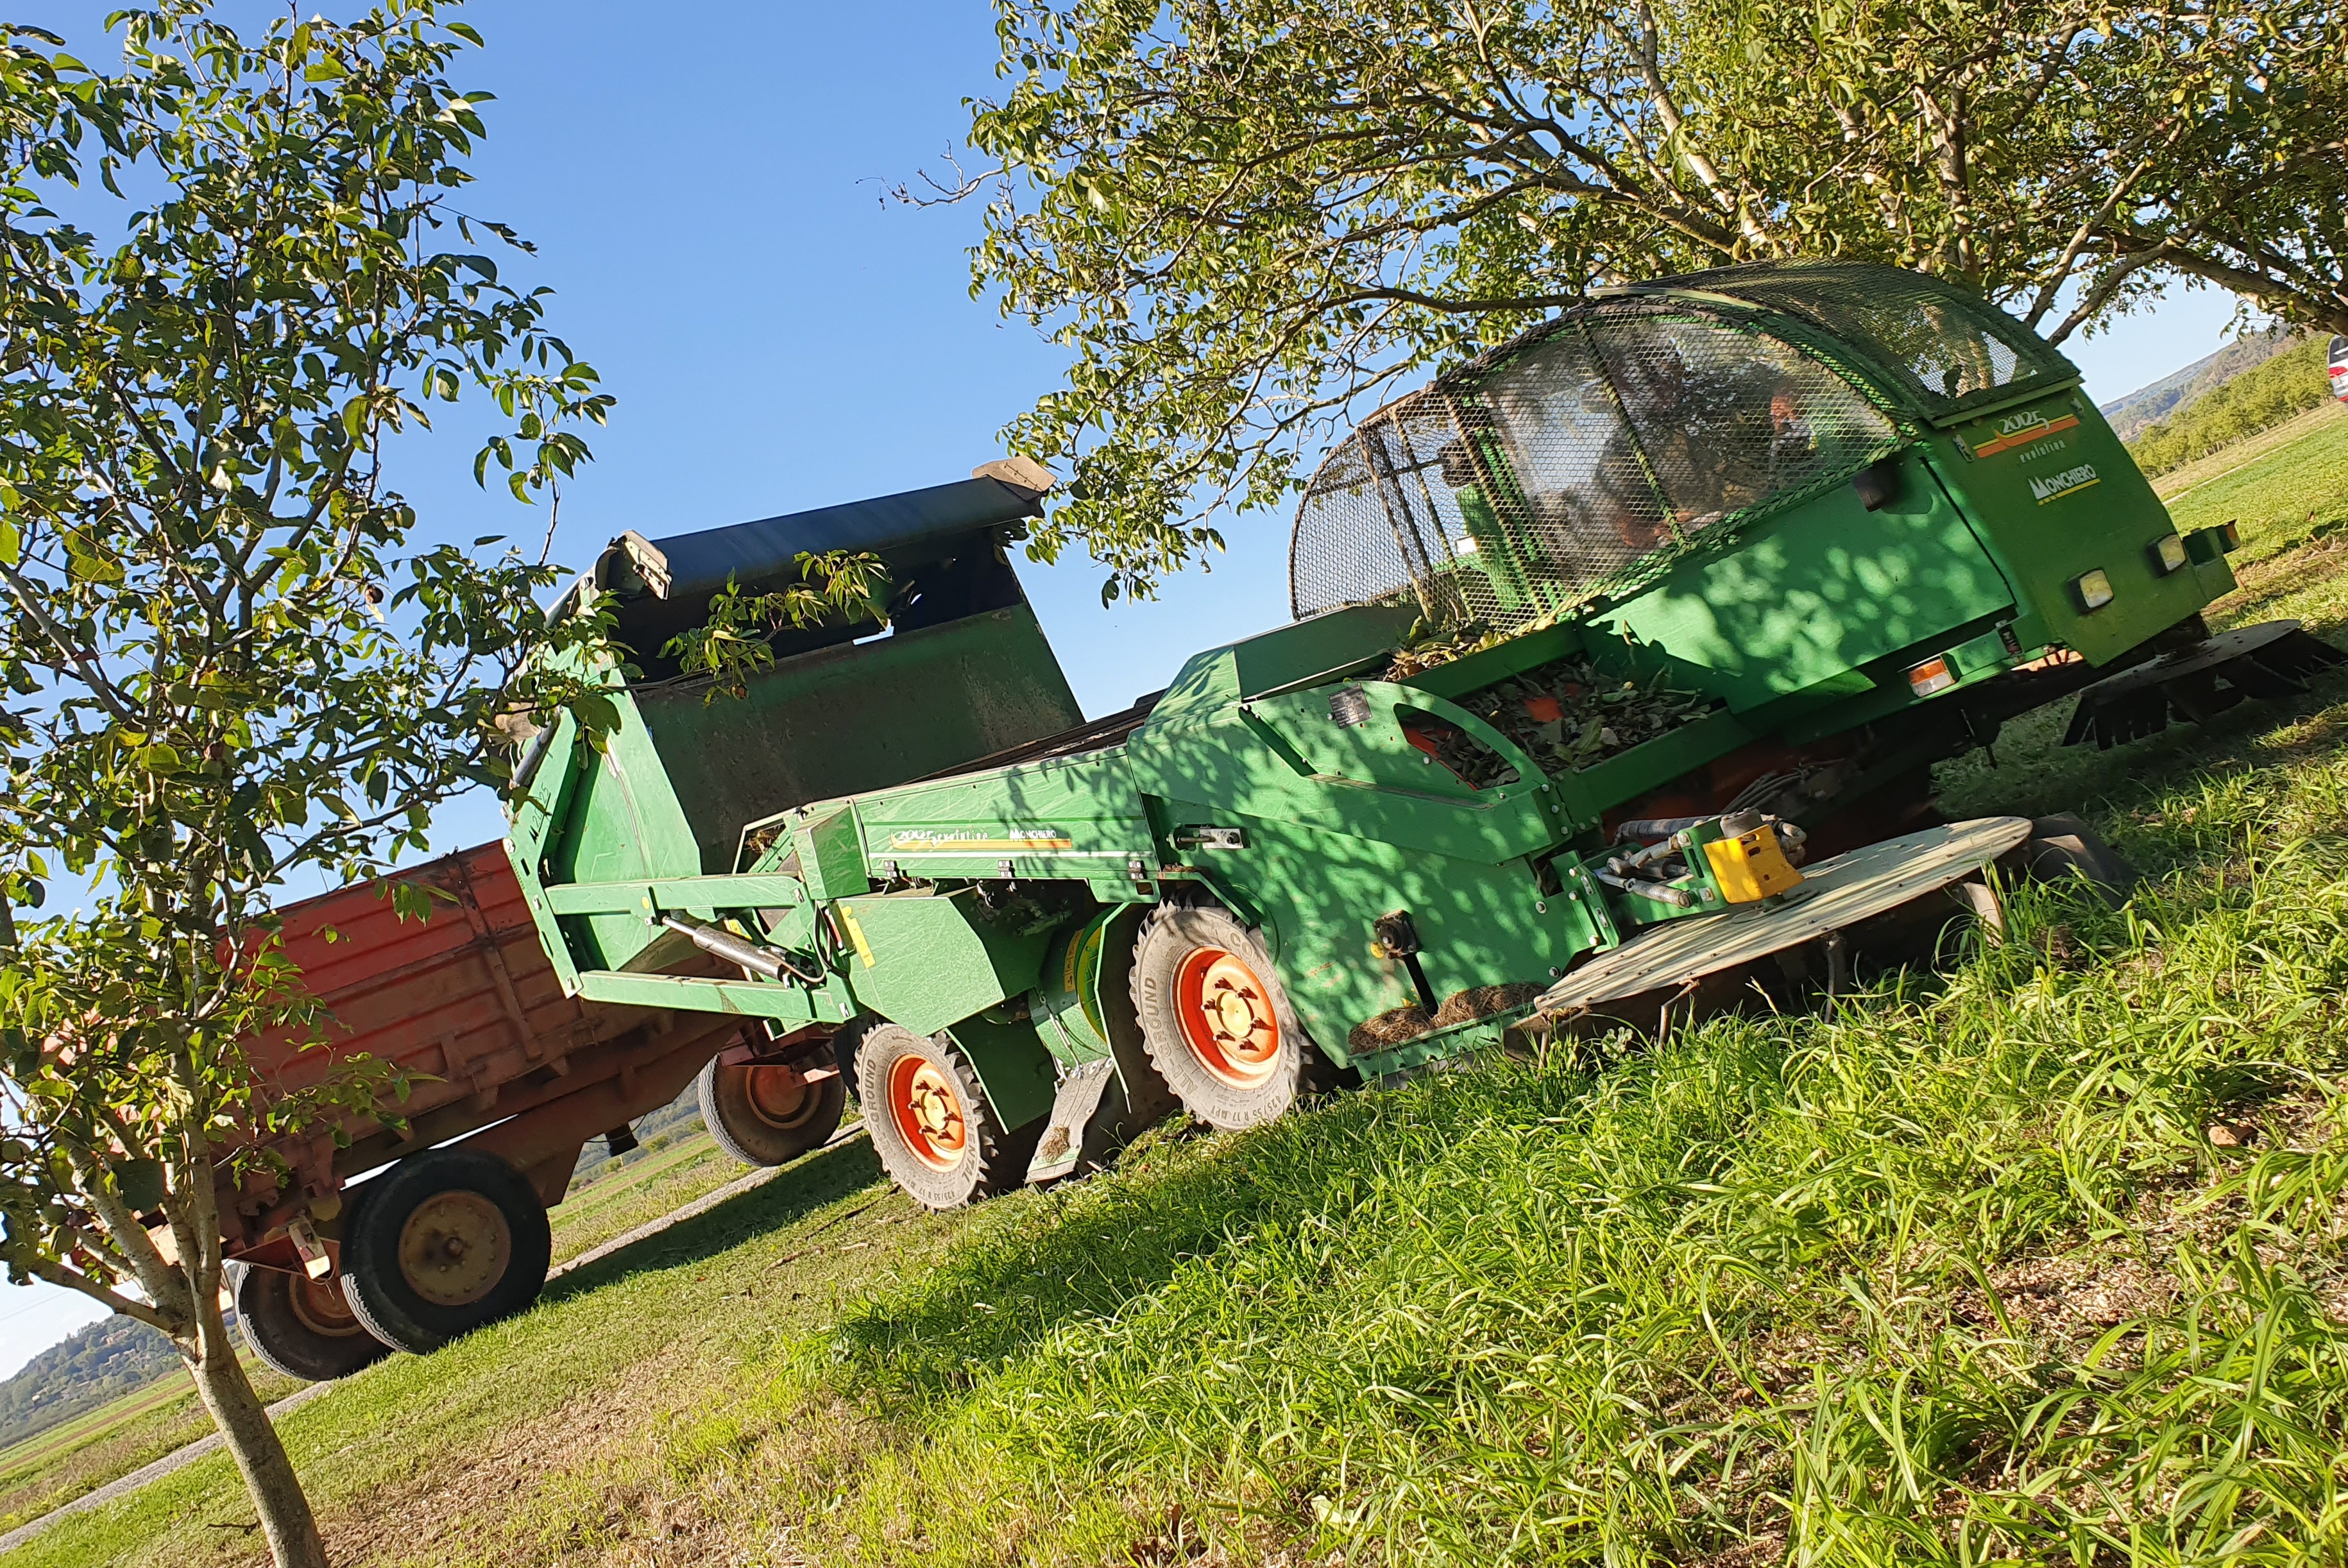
<point x="1578" y="461"/>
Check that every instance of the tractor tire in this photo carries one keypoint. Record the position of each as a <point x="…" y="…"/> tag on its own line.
<point x="930" y="1122"/>
<point x="301" y="1326"/>
<point x="448" y="1241"/>
<point x="2062" y="847"/>
<point x="755" y="1116"/>
<point x="1215" y="1021"/>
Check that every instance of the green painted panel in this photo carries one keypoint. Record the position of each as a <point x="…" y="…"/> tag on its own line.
<point x="751" y="999"/>
<point x="1068" y="1008"/>
<point x="852" y="718"/>
<point x="1257" y="763"/>
<point x="1013" y="1067"/>
<point x="1811" y="596"/>
<point x="702" y="893"/>
<point x="830" y="857"/>
<point x="926" y="960"/>
<point x="1318" y="892"/>
<point x="619" y="822"/>
<point x="1341" y="642"/>
<point x="1078" y="817"/>
<point x="2053" y="494"/>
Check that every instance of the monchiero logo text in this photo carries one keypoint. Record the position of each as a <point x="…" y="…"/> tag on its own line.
<point x="2057" y="485"/>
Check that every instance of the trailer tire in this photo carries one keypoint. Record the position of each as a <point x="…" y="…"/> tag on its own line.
<point x="446" y="1242"/>
<point x="929" y="1120"/>
<point x="756" y="1126"/>
<point x="2062" y="847"/>
<point x="1186" y="956"/>
<point x="300" y="1327"/>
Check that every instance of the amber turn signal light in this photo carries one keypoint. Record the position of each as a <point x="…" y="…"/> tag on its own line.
<point x="1932" y="675"/>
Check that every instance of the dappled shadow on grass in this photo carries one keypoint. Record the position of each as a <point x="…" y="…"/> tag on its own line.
<point x="2033" y="775"/>
<point x="819" y="1179"/>
<point x="1086" y="1252"/>
<point x="1736" y="1290"/>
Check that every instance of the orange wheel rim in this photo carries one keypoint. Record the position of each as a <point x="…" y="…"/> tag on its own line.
<point x="1227" y="1016"/>
<point x="928" y="1113"/>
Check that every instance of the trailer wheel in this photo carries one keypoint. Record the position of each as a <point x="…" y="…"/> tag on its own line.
<point x="930" y="1121"/>
<point x="759" y="1117"/>
<point x="446" y="1242"/>
<point x="1214" y="1019"/>
<point x="2063" y="846"/>
<point x="301" y="1326"/>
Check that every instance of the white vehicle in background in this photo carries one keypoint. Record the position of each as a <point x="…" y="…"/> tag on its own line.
<point x="2340" y="369"/>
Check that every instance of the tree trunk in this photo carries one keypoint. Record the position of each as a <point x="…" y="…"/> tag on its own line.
<point x="243" y="1423"/>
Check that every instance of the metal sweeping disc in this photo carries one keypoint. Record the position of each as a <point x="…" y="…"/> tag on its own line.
<point x="1835" y="894"/>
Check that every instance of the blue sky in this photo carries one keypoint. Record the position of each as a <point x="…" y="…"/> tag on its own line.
<point x="705" y="186"/>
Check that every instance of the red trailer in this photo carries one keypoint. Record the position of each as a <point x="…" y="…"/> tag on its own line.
<point x="509" y="1077"/>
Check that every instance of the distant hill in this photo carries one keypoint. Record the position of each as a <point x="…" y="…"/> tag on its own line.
<point x="87" y="1368"/>
<point x="2244" y="404"/>
<point x="2147" y="406"/>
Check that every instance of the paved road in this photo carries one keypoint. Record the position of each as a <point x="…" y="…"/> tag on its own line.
<point x="123" y="1486"/>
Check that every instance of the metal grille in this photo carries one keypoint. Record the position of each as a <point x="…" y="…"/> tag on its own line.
<point x="1947" y="348"/>
<point x="1577" y="459"/>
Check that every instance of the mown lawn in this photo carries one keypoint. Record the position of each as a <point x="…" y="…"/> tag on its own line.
<point x="55" y="1468"/>
<point x="615" y="1204"/>
<point x="2039" y="1260"/>
<point x="52" y="1469"/>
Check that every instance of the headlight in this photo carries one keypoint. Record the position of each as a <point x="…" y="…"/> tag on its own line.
<point x="2091" y="590"/>
<point x="2168" y="554"/>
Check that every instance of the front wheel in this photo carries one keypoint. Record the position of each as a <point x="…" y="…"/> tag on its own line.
<point x="446" y="1242"/>
<point x="930" y="1122"/>
<point x="765" y="1113"/>
<point x="1214" y="1019"/>
<point x="302" y="1327"/>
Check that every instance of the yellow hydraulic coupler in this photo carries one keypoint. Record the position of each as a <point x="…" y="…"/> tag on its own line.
<point x="1752" y="865"/>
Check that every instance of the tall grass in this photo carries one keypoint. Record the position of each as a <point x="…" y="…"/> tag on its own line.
<point x="2042" y="1264"/>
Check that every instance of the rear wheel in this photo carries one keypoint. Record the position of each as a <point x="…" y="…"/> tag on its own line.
<point x="302" y="1327"/>
<point x="930" y="1122"/>
<point x="764" y="1113"/>
<point x="448" y="1242"/>
<point x="1214" y="1019"/>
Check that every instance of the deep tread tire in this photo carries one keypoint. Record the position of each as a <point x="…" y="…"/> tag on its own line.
<point x="1167" y="940"/>
<point x="990" y="1160"/>
<point x="392" y="1307"/>
<point x="306" y="1339"/>
<point x="2062" y="847"/>
<point x="752" y="1134"/>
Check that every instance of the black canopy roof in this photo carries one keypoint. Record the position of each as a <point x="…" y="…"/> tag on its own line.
<point x="664" y="585"/>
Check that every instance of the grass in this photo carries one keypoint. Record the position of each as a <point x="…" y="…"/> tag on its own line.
<point x="2291" y="503"/>
<point x="2044" y="1263"/>
<point x="615" y="1204"/>
<point x="54" y="1467"/>
<point x="2040" y="1261"/>
<point x="406" y="1458"/>
<point x="2188" y="481"/>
